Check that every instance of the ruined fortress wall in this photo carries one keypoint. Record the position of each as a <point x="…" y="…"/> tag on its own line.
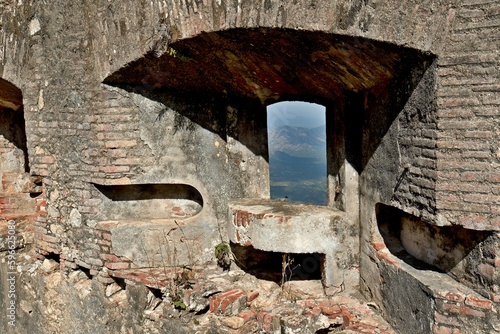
<point x="81" y="132"/>
<point x="450" y="153"/>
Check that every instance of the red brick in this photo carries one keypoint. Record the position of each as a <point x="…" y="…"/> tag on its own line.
<point x="441" y="319"/>
<point x="266" y="322"/>
<point x="481" y="198"/>
<point x="468" y="311"/>
<point x="104" y="242"/>
<point x="229" y="299"/>
<point x="331" y="311"/>
<point x="389" y="258"/>
<point x="110" y="258"/>
<point x="247" y="315"/>
<point x="47" y="159"/>
<point x="115" y="153"/>
<point x="455" y="297"/>
<point x="117" y="265"/>
<point x="252" y="295"/>
<point x="120" y="143"/>
<point x="313" y="312"/>
<point x="441" y="330"/>
<point x="378" y="245"/>
<point x="478" y="302"/>
<point x="128" y="161"/>
<point x="451" y="308"/>
<point x="221" y="303"/>
<point x="115" y="169"/>
<point x="43" y="245"/>
<point x="213" y="303"/>
<point x="494" y="177"/>
<point x="347" y="316"/>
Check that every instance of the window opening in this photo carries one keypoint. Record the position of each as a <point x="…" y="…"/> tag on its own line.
<point x="297" y="152"/>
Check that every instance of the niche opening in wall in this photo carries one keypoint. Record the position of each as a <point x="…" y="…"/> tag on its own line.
<point x="149" y="201"/>
<point x="277" y="266"/>
<point x="425" y="246"/>
<point x="297" y="152"/>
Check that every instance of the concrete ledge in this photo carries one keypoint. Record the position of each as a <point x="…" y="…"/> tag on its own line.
<point x="276" y="226"/>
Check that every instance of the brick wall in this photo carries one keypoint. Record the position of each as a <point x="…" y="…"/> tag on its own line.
<point x="415" y="190"/>
<point x="468" y="119"/>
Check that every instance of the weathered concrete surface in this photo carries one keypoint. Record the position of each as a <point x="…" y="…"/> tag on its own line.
<point x="164" y="242"/>
<point x="277" y="226"/>
<point x="72" y="304"/>
<point x="423" y="301"/>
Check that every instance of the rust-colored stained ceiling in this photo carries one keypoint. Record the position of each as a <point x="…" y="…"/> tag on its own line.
<point x="10" y="96"/>
<point x="268" y="65"/>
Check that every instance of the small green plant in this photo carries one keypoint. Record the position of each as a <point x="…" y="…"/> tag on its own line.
<point x="178" y="303"/>
<point x="223" y="255"/>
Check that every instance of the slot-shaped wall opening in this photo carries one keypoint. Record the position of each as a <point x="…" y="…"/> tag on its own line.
<point x="426" y="246"/>
<point x="149" y="201"/>
<point x="297" y="152"/>
<point x="277" y="266"/>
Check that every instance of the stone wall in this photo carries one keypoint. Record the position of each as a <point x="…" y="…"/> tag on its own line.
<point x="434" y="156"/>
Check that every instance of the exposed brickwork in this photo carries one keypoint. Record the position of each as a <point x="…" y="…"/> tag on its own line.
<point x="228" y="303"/>
<point x="415" y="190"/>
<point x="468" y="155"/>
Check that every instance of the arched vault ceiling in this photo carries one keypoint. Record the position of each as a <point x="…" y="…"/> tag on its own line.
<point x="269" y="64"/>
<point x="10" y="96"/>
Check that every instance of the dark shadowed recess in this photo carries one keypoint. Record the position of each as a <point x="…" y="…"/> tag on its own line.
<point x="269" y="265"/>
<point x="449" y="245"/>
<point x="218" y="77"/>
<point x="137" y="192"/>
<point x="12" y="123"/>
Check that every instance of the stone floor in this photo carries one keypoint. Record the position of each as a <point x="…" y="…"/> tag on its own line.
<point x="209" y="300"/>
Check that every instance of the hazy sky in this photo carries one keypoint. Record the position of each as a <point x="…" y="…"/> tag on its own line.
<point x="296" y="113"/>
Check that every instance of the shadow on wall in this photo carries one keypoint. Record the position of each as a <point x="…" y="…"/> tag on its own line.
<point x="278" y="267"/>
<point x="223" y="79"/>
<point x="425" y="246"/>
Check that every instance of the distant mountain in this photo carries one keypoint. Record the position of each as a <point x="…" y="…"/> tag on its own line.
<point x="297" y="161"/>
<point x="298" y="141"/>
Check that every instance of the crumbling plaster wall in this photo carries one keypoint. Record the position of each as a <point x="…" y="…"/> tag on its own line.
<point x="80" y="131"/>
